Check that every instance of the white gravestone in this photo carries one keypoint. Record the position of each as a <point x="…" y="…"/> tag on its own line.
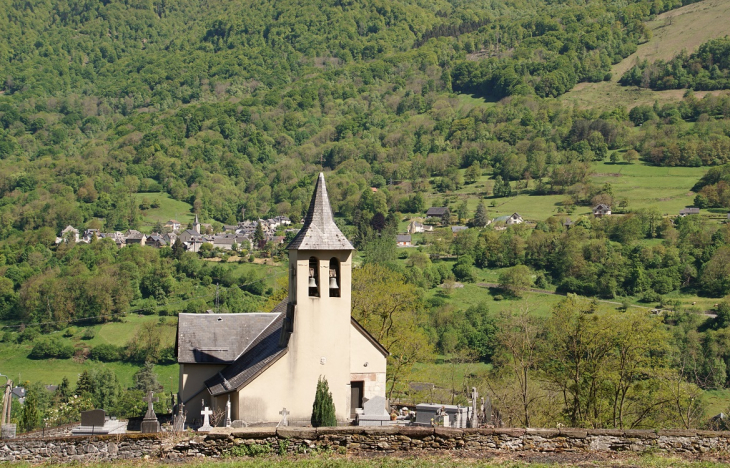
<point x="206" y="420"/>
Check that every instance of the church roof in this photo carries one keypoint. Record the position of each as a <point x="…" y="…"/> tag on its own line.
<point x="218" y="338"/>
<point x="320" y="231"/>
<point x="262" y="353"/>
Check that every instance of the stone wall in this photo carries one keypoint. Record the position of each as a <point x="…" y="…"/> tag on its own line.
<point x="357" y="440"/>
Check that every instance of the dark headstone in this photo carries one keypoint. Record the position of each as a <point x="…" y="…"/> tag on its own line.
<point x="95" y="417"/>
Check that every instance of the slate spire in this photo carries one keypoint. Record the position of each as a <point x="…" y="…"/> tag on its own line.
<point x="320" y="231"/>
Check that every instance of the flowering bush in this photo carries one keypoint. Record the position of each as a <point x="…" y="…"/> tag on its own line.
<point x="67" y="412"/>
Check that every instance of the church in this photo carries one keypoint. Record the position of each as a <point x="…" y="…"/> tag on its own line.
<point x="265" y="362"/>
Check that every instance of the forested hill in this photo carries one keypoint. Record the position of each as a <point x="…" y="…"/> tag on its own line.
<point x="120" y="49"/>
<point x="234" y="105"/>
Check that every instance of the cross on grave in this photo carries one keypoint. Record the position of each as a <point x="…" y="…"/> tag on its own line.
<point x="150" y="399"/>
<point x="206" y="420"/>
<point x="284" y="421"/>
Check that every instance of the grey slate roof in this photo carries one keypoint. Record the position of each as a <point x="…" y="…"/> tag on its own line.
<point x="437" y="211"/>
<point x="218" y="338"/>
<point x="320" y="231"/>
<point x="263" y="352"/>
<point x="281" y="306"/>
<point x="403" y="238"/>
<point x="689" y="211"/>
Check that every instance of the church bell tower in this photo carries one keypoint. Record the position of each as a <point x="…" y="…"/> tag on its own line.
<point x="319" y="311"/>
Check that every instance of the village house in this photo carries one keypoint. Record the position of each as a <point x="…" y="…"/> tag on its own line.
<point x="601" y="210"/>
<point x="265" y="362"/>
<point x="689" y="211"/>
<point x="414" y="227"/>
<point x="69" y="233"/>
<point x="508" y="220"/>
<point x="155" y="240"/>
<point x="173" y="225"/>
<point x="440" y="212"/>
<point x="403" y="240"/>
<point x="133" y="236"/>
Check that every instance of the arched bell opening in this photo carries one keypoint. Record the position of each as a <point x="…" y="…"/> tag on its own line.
<point x="313" y="277"/>
<point x="334" y="278"/>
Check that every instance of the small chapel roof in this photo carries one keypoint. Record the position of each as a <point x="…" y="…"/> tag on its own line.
<point x="218" y="338"/>
<point x="320" y="231"/>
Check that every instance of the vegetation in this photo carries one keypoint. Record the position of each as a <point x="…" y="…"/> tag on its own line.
<point x="323" y="408"/>
<point x="706" y="69"/>
<point x="122" y="115"/>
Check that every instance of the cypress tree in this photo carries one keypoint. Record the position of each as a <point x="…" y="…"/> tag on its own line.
<point x="29" y="416"/>
<point x="323" y="410"/>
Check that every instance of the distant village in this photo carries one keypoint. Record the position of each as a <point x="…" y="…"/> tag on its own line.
<point x="242" y="234"/>
<point x="231" y="238"/>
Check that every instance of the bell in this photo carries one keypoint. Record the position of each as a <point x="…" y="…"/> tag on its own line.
<point x="333" y="283"/>
<point x="312" y="282"/>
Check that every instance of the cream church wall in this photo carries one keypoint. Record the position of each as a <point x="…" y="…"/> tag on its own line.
<point x="192" y="386"/>
<point x="373" y="374"/>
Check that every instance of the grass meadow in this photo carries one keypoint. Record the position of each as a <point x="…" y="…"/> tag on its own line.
<point x="15" y="363"/>
<point x="168" y="209"/>
<point x="666" y="189"/>
<point x="684" y="28"/>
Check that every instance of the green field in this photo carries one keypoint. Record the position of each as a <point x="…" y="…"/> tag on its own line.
<point x="684" y="28"/>
<point x="666" y="189"/>
<point x="14" y="360"/>
<point x="168" y="209"/>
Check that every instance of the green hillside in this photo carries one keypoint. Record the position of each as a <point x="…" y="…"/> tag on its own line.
<point x="122" y="115"/>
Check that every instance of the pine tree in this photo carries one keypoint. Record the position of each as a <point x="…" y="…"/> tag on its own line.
<point x="63" y="392"/>
<point x="323" y="410"/>
<point x="480" y="217"/>
<point x="85" y="384"/>
<point x="145" y="379"/>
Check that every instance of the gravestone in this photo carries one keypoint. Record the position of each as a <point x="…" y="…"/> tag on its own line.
<point x="227" y="422"/>
<point x="284" y="421"/>
<point x="429" y="413"/>
<point x="178" y="420"/>
<point x="206" y="413"/>
<point x="7" y="431"/>
<point x="474" y="419"/>
<point x="374" y="413"/>
<point x="95" y="422"/>
<point x="150" y="424"/>
<point x="487" y="410"/>
<point x="96" y="417"/>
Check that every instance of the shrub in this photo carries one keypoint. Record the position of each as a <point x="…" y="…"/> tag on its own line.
<point x="51" y="348"/>
<point x="10" y="337"/>
<point x="105" y="353"/>
<point x="29" y="334"/>
<point x="89" y="334"/>
<point x="70" y="331"/>
<point x="323" y="409"/>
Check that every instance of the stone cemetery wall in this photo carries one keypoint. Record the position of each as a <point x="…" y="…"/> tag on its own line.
<point x="357" y="440"/>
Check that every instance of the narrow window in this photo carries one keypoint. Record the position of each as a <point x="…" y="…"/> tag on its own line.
<point x="313" y="277"/>
<point x="334" y="279"/>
